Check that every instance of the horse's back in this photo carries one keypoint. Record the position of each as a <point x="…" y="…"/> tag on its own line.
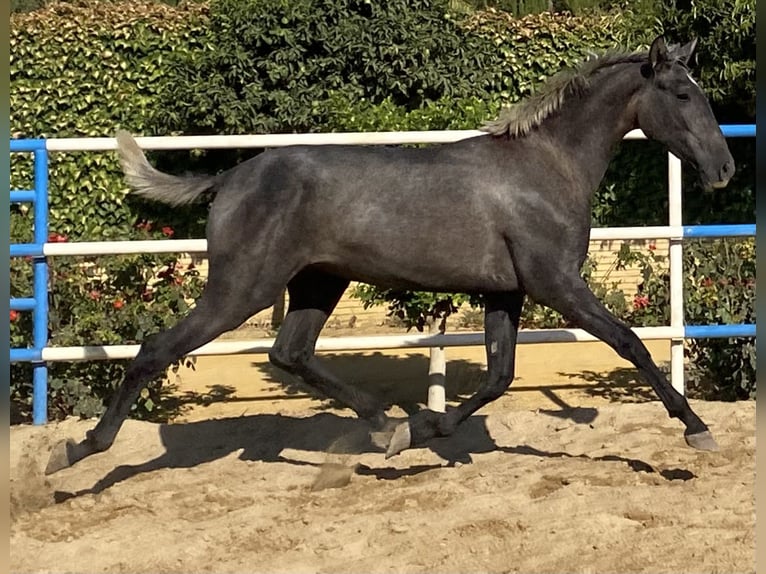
<point x="401" y="216"/>
<point x="396" y="216"/>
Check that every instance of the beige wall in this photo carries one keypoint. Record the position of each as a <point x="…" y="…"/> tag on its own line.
<point x="605" y="254"/>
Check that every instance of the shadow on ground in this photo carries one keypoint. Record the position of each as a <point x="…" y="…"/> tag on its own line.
<point x="264" y="437"/>
<point x="618" y="385"/>
<point x="403" y="381"/>
<point x="396" y="380"/>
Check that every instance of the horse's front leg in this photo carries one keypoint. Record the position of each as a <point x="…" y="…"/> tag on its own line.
<point x="501" y="325"/>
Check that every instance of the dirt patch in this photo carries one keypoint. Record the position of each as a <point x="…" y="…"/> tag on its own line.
<point x="568" y="481"/>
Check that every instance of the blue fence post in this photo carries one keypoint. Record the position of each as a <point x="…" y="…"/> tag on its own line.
<point x="38" y="303"/>
<point x="40" y="313"/>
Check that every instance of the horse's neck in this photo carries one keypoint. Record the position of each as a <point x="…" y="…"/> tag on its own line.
<point x="587" y="128"/>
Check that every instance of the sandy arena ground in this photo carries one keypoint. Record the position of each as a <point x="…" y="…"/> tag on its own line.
<point x="576" y="469"/>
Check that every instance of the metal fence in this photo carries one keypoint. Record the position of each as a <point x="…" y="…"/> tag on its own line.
<point x="39" y="354"/>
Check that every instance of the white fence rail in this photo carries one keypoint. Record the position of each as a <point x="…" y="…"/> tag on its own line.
<point x="200" y="245"/>
<point x="277" y="140"/>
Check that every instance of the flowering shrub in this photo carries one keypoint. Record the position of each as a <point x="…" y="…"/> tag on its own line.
<point x="640" y="302"/>
<point x="99" y="301"/>
<point x="719" y="288"/>
<point x="650" y="304"/>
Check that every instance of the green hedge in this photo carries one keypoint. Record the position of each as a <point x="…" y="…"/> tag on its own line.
<point x="312" y="66"/>
<point x="87" y="70"/>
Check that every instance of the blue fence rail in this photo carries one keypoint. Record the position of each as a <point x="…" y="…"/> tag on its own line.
<point x="718" y="331"/>
<point x="38" y="303"/>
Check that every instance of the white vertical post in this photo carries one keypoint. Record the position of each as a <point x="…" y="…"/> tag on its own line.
<point x="675" y="204"/>
<point x="437" y="374"/>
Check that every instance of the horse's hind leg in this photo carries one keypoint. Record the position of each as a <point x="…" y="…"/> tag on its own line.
<point x="573" y="299"/>
<point x="501" y="325"/>
<point x="226" y="302"/>
<point x="313" y="296"/>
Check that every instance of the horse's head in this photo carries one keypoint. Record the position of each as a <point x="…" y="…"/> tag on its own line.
<point x="673" y="110"/>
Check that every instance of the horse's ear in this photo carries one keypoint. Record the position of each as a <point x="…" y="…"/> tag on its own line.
<point x="685" y="52"/>
<point x="658" y="53"/>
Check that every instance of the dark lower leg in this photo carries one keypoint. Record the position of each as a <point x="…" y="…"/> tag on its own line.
<point x="293" y="351"/>
<point x="156" y="354"/>
<point x="582" y="307"/>
<point x="313" y="296"/>
<point x="630" y="347"/>
<point x="201" y="326"/>
<point x="501" y="323"/>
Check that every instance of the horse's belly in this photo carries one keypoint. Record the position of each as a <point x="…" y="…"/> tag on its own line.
<point x="439" y="268"/>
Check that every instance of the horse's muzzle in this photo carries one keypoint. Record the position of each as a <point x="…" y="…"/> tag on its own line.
<point x="724" y="174"/>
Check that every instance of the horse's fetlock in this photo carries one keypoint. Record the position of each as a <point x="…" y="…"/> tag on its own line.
<point x="446" y="426"/>
<point x="275" y="357"/>
<point x="675" y="413"/>
<point x="378" y="419"/>
<point x="288" y="359"/>
<point x="499" y="385"/>
<point x="96" y="443"/>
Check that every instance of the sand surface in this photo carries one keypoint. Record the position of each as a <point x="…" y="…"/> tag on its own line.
<point x="576" y="469"/>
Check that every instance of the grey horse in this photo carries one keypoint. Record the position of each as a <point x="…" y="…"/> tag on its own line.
<point x="518" y="205"/>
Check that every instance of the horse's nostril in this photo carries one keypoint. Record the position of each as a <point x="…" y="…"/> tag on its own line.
<point x="727" y="170"/>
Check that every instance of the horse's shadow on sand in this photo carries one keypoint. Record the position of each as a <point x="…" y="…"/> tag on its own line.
<point x="264" y="437"/>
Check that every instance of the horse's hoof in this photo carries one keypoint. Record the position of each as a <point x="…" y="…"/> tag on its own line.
<point x="381" y="439"/>
<point x="702" y="441"/>
<point x="60" y="456"/>
<point x="382" y="432"/>
<point x="400" y="441"/>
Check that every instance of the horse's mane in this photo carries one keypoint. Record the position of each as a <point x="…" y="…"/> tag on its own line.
<point x="518" y="119"/>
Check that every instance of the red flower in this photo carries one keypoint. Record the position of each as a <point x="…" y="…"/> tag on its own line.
<point x="167" y="231"/>
<point x="640" y="301"/>
<point x="57" y="238"/>
<point x="118" y="304"/>
<point x="95" y="295"/>
<point x="14" y="315"/>
<point x="652" y="247"/>
<point x="707" y="282"/>
<point x="144" y="226"/>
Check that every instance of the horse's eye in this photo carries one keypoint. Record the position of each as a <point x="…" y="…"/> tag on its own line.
<point x="683" y="97"/>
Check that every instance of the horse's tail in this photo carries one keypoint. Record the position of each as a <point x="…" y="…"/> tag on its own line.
<point x="151" y="183"/>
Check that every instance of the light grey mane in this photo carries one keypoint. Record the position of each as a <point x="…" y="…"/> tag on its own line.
<point x="518" y="119"/>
